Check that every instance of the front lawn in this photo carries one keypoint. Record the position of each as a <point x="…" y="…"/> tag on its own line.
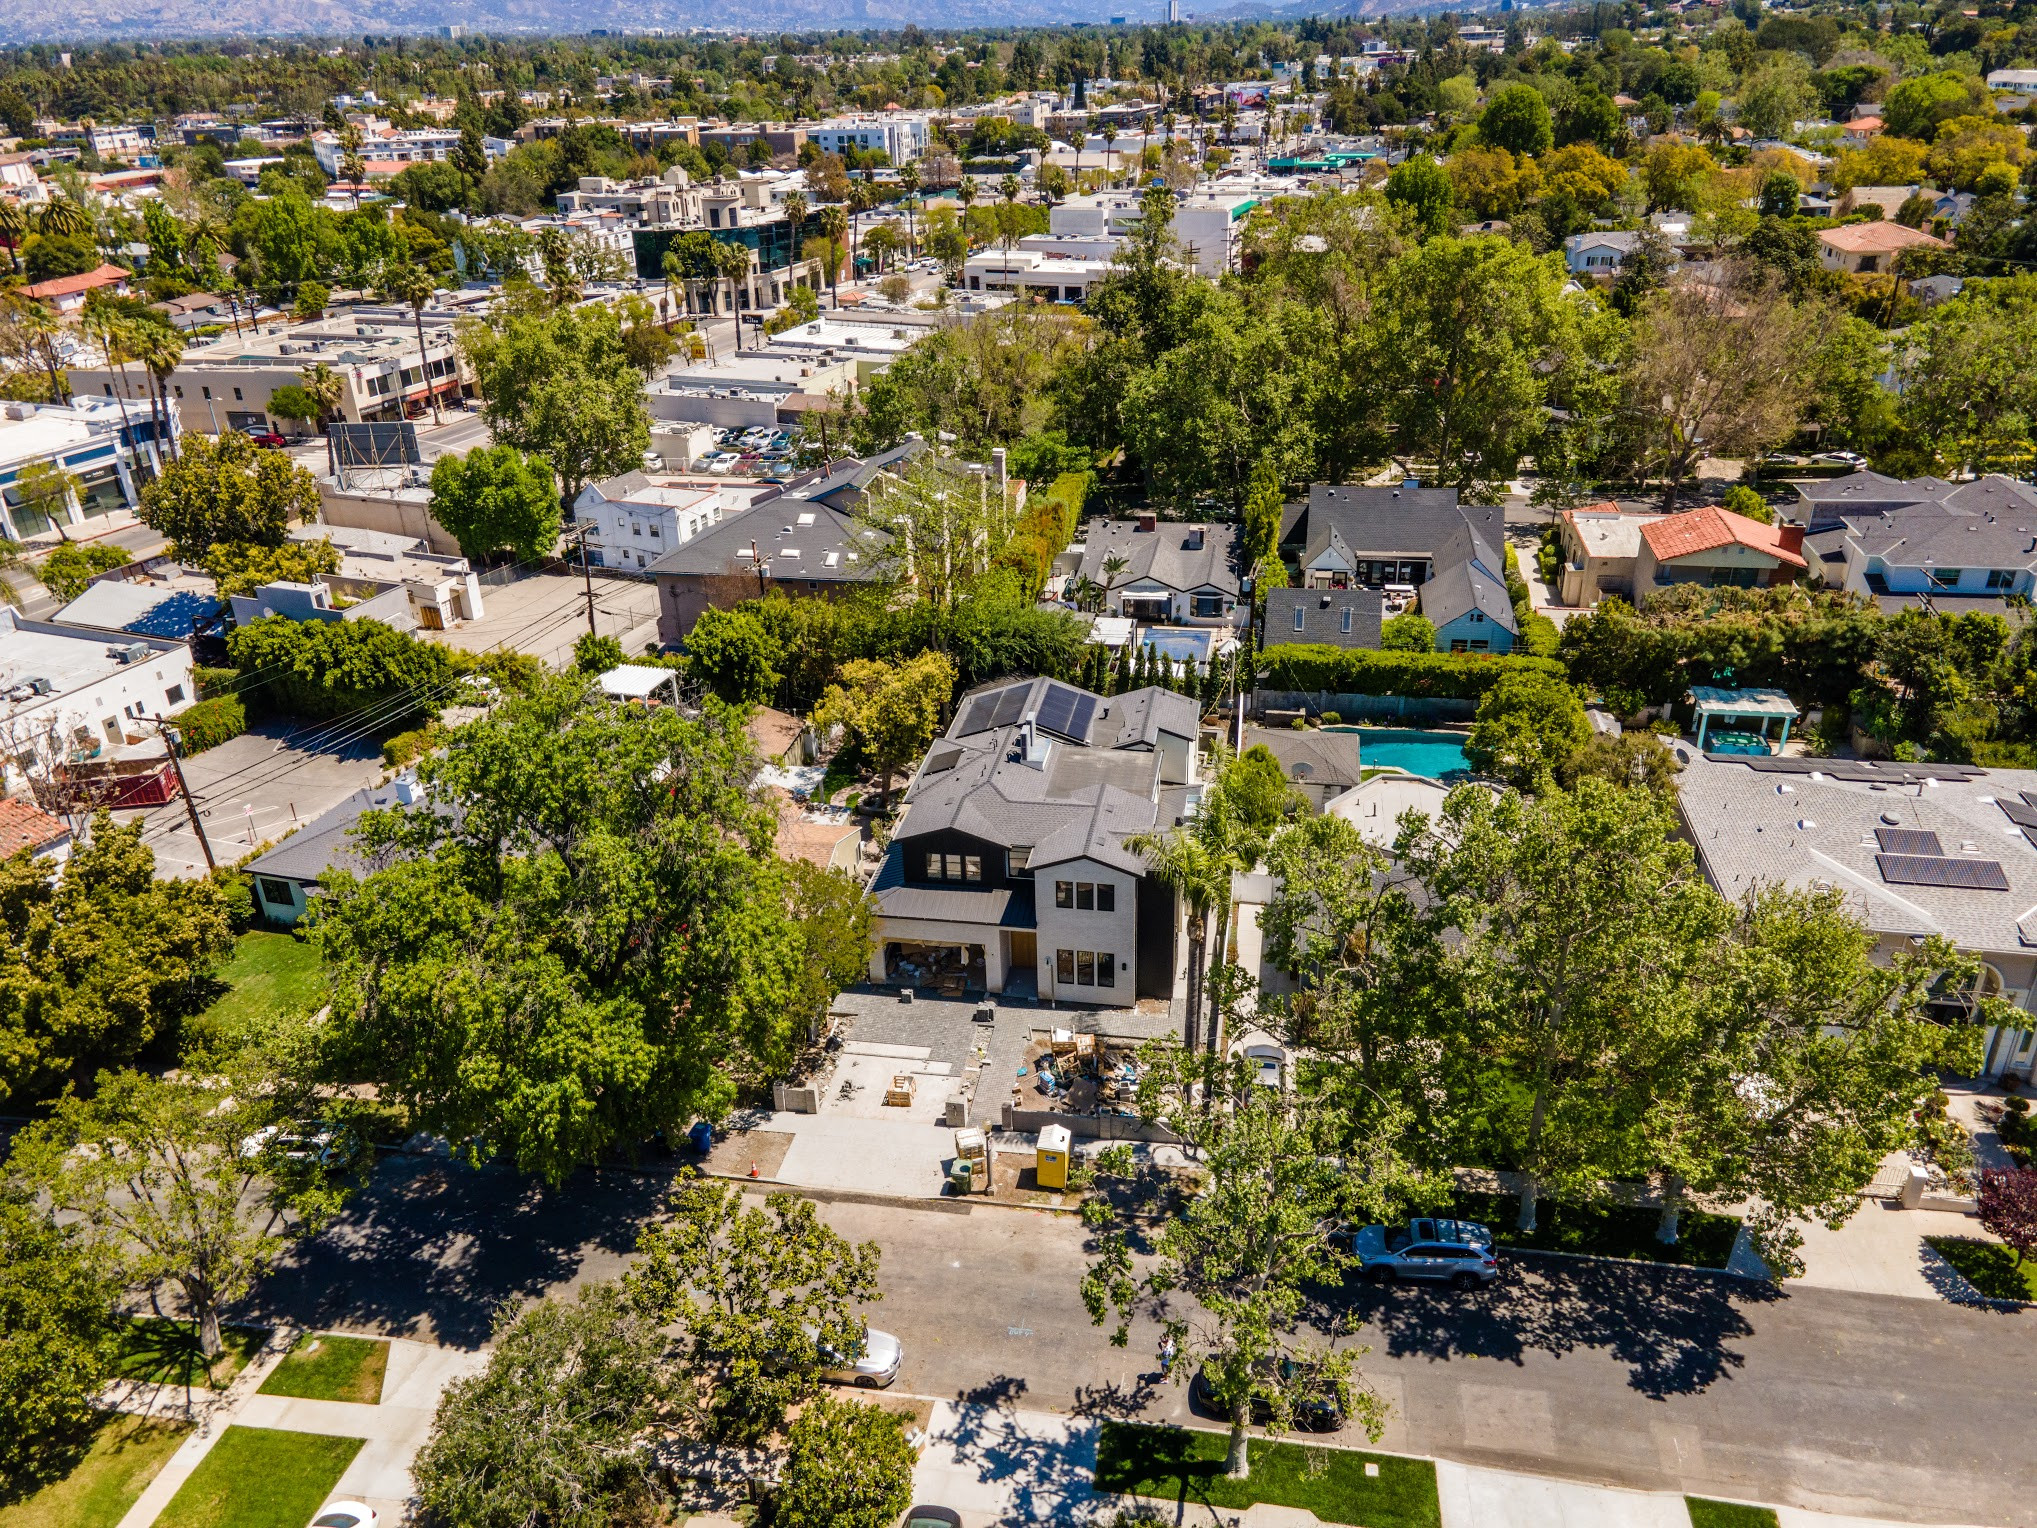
<point x="1603" y="1230"/>
<point x="267" y="974"/>
<point x="260" y="1477"/>
<point x="326" y="1368"/>
<point x="164" y="1352"/>
<point x="125" y="1454"/>
<point x="1727" y="1514"/>
<point x="1181" y="1466"/>
<point x="1989" y="1267"/>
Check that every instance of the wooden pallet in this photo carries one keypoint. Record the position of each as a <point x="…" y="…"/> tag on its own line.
<point x="899" y="1094"/>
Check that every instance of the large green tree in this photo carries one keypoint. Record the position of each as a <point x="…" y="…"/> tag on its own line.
<point x="1468" y="338"/>
<point x="559" y="383"/>
<point x="847" y="1465"/>
<point x="735" y="655"/>
<point x="227" y="489"/>
<point x="1243" y="1251"/>
<point x="555" y="1430"/>
<point x="1517" y="119"/>
<point x="328" y="668"/>
<point x="55" y="1306"/>
<point x="597" y="946"/>
<point x="762" y="1298"/>
<point x="1528" y="727"/>
<point x="188" y="1181"/>
<point x="99" y="962"/>
<point x="1969" y="376"/>
<point x="495" y="497"/>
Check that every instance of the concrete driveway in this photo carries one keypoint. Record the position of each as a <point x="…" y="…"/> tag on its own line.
<point x="545" y="614"/>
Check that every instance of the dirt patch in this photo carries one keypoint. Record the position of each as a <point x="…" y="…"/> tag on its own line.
<point x="762" y="1149"/>
<point x="1016" y="1183"/>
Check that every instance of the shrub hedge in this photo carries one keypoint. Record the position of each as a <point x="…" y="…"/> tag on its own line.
<point x="1364" y="671"/>
<point x="211" y="722"/>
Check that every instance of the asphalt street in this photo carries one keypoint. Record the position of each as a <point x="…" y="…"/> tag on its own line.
<point x="1626" y="1375"/>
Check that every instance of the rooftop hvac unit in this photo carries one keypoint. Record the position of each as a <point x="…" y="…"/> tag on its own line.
<point x="133" y="652"/>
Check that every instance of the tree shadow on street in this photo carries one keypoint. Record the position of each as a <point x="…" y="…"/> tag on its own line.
<point x="1045" y="1466"/>
<point x="1672" y="1327"/>
<point x="432" y="1248"/>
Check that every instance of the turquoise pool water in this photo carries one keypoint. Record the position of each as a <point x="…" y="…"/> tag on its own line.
<point x="1435" y="755"/>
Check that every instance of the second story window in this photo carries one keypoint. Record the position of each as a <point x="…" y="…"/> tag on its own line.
<point x="1086" y="896"/>
<point x="954" y="867"/>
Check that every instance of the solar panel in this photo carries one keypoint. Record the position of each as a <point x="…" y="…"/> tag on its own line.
<point x="2029" y="797"/>
<point x="1085" y="714"/>
<point x="1011" y="705"/>
<point x="2022" y="816"/>
<point x="1057" y="710"/>
<point x="2030" y="833"/>
<point x="1909" y="841"/>
<point x="975" y="716"/>
<point x="1938" y="870"/>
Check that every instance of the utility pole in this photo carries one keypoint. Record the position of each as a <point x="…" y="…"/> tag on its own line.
<point x="587" y="577"/>
<point x="191" y="807"/>
<point x="757" y="562"/>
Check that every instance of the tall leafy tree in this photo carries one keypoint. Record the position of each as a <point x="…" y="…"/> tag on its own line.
<point x="496" y="497"/>
<point x="891" y="710"/>
<point x="1245" y="1249"/>
<point x="54" y="1343"/>
<point x="172" y="1182"/>
<point x="227" y="489"/>
<point x="560" y="384"/>
<point x="553" y="1431"/>
<point x="593" y="949"/>
<point x="762" y="1298"/>
<point x="847" y="1465"/>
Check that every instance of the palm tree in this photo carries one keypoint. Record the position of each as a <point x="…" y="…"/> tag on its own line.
<point x="351" y="165"/>
<point x="44" y="327"/>
<point x="1007" y="231"/>
<point x="1110" y="138"/>
<point x="13" y="224"/>
<point x="113" y="330"/>
<point x="861" y="200"/>
<point x="908" y="177"/>
<point x="834" y="225"/>
<point x="161" y="349"/>
<point x="732" y="261"/>
<point x="64" y="218"/>
<point x="412" y="284"/>
<point x="795" y="220"/>
<point x="326" y="387"/>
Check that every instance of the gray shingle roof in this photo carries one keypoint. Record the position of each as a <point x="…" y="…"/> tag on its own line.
<point x="1386" y="522"/>
<point x="774" y="526"/>
<point x="1468" y="574"/>
<point x="1754" y="827"/>
<point x="308" y="854"/>
<point x="1322" y="616"/>
<point x="1181" y="557"/>
<point x="1329" y="759"/>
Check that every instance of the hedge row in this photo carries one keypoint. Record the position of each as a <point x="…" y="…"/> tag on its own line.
<point x="1364" y="671"/>
<point x="211" y="722"/>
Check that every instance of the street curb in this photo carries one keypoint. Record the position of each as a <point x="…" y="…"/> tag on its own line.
<point x="1633" y="1262"/>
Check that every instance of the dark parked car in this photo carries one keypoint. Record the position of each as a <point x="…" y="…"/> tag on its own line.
<point x="933" y="1517"/>
<point x="1317" y="1412"/>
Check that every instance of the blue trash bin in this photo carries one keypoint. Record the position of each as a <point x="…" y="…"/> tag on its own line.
<point x="702" y="1137"/>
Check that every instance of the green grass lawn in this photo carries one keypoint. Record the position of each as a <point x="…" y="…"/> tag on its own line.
<point x="1178" y="1465"/>
<point x="1988" y="1266"/>
<point x="125" y="1454"/>
<point x="166" y="1352"/>
<point x="1604" y="1230"/>
<point x="1727" y="1514"/>
<point x="260" y="1477"/>
<point x="268" y="973"/>
<point x="326" y="1368"/>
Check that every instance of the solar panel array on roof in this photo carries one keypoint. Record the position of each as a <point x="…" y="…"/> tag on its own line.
<point x="994" y="708"/>
<point x="1939" y="870"/>
<point x="1011" y="705"/>
<point x="1067" y="712"/>
<point x="1909" y="841"/>
<point x="2022" y="816"/>
<point x="1893" y="772"/>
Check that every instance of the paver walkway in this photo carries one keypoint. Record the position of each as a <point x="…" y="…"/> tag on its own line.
<point x="395" y="1430"/>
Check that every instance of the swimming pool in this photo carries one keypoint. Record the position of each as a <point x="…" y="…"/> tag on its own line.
<point x="1434" y="755"/>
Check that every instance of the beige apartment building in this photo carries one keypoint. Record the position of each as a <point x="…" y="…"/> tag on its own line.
<point x="228" y="384"/>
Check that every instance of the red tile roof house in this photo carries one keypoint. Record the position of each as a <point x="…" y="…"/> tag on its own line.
<point x="1718" y="549"/>
<point x="67" y="294"/>
<point x="23" y="825"/>
<point x="1866" y="248"/>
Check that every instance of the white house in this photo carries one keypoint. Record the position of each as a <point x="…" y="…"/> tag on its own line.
<point x="1598" y="253"/>
<point x="638" y="519"/>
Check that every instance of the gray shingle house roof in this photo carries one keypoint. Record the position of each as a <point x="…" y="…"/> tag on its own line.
<point x="1382" y="522"/>
<point x="829" y="547"/>
<point x="1809" y="826"/>
<point x="1322" y="616"/>
<point x="313" y="851"/>
<point x="1180" y="557"/>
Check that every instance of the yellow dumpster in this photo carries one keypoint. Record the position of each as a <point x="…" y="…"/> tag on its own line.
<point x="1050" y="1157"/>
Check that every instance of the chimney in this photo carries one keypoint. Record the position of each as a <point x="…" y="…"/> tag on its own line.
<point x="1195" y="539"/>
<point x="1148" y="521"/>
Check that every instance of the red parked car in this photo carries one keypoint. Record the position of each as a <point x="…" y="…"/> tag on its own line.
<point x="267" y="438"/>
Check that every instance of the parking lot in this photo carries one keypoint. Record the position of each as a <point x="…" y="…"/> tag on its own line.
<point x="546" y="613"/>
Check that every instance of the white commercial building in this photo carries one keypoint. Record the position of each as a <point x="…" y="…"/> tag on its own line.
<point x="902" y="137"/>
<point x="75" y="699"/>
<point x="1209" y="228"/>
<point x="87" y="439"/>
<point x="638" y="518"/>
<point x="1056" y="278"/>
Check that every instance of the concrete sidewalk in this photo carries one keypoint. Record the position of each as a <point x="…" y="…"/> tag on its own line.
<point x="999" y="1466"/>
<point x="394" y="1430"/>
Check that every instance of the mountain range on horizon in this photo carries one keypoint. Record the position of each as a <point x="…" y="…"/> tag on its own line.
<point x="163" y="20"/>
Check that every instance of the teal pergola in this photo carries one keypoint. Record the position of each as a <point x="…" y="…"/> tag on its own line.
<point x="1743" y="706"/>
